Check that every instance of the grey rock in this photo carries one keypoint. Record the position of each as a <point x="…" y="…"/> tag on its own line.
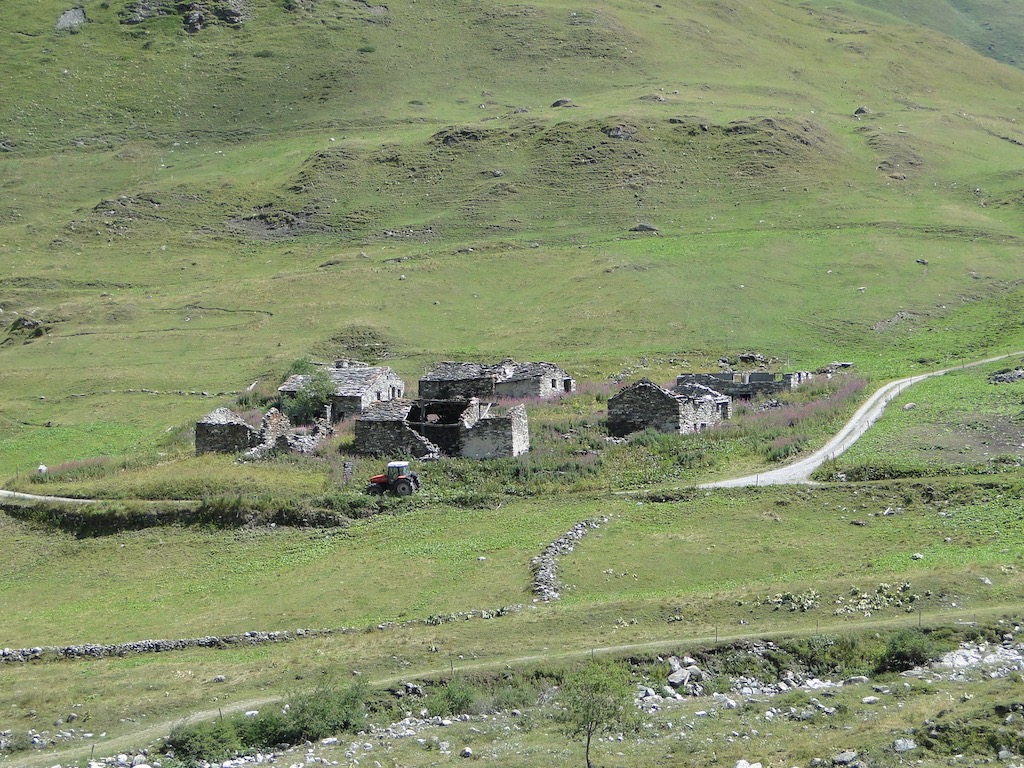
<point x="72" y="20"/>
<point x="904" y="745"/>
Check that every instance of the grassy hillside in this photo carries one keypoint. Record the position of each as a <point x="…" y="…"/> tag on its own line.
<point x="186" y="213"/>
<point x="183" y="214"/>
<point x="992" y="27"/>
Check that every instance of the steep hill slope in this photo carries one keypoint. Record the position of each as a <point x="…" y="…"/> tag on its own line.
<point x="992" y="27"/>
<point x="186" y="211"/>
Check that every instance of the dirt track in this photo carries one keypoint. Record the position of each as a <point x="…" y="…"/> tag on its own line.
<point x="800" y="471"/>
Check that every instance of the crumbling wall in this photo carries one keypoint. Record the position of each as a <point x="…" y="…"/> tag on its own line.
<point x="223" y="431"/>
<point x="392" y="438"/>
<point x="746" y="385"/>
<point x="497" y="437"/>
<point x="642" y="406"/>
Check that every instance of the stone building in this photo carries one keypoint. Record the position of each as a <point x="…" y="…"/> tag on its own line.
<point x="507" y="379"/>
<point x="224" y="431"/>
<point x="431" y="428"/>
<point x="745" y="385"/>
<point x="356" y="387"/>
<point x="645" y="405"/>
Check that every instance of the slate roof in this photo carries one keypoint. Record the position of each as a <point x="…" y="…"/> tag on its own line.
<point x="348" y="382"/>
<point x="701" y="390"/>
<point x="387" y="410"/>
<point x="691" y="391"/>
<point x="452" y="371"/>
<point x="223" y="416"/>
<point x="506" y="370"/>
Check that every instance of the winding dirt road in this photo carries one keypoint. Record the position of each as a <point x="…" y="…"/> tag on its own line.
<point x="800" y="471"/>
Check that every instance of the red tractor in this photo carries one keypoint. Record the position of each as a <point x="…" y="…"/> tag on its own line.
<point x="398" y="480"/>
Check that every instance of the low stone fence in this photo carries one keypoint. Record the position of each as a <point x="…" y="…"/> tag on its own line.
<point x="95" y="651"/>
<point x="545" y="565"/>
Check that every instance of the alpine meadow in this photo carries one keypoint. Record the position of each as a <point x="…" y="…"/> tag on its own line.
<point x="200" y="201"/>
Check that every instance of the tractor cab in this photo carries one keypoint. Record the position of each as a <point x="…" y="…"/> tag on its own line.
<point x="398" y="480"/>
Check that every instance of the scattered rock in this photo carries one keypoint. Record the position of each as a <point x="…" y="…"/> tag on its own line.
<point x="563" y="103"/>
<point x="72" y="20"/>
<point x="643" y="227"/>
<point x="904" y="745"/>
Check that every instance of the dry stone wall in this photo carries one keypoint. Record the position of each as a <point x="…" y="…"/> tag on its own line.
<point x="642" y="406"/>
<point x="223" y="431"/>
<point x="392" y="438"/>
<point x="498" y="436"/>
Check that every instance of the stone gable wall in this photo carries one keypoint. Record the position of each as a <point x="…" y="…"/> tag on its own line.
<point x="643" y="407"/>
<point x="224" y="438"/>
<point x="497" y="437"/>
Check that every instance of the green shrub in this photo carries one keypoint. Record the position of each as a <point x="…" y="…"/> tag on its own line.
<point x="324" y="712"/>
<point x="308" y="403"/>
<point x="826" y="655"/>
<point x="453" y="698"/>
<point x="210" y="741"/>
<point x="907" y="649"/>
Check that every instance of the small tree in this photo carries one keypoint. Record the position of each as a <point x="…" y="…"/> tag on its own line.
<point x="308" y="403"/>
<point x="597" y="698"/>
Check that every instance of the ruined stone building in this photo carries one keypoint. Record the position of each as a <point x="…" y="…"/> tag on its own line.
<point x="645" y="405"/>
<point x="357" y="386"/>
<point x="508" y="379"/>
<point x="745" y="385"/>
<point x="224" y="431"/>
<point x="431" y="428"/>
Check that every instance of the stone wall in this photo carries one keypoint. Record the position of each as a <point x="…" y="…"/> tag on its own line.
<point x="542" y="386"/>
<point x="746" y="385"/>
<point x="223" y="431"/>
<point x="388" y="387"/>
<point x="392" y="438"/>
<point x="495" y="437"/>
<point x="641" y="406"/>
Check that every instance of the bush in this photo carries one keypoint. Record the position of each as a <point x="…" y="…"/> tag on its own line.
<point x="326" y="711"/>
<point x="907" y="649"/>
<point x="309" y="716"/>
<point x="217" y="740"/>
<point x="454" y="698"/>
<point x="308" y="403"/>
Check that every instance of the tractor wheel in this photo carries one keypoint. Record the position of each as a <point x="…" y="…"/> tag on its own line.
<point x="402" y="487"/>
<point x="375" y="490"/>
